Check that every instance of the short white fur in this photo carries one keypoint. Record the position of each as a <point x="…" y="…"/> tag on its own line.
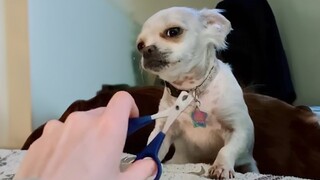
<point x="227" y="141"/>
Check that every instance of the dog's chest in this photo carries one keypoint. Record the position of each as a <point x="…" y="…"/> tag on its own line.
<point x="200" y="117"/>
<point x="199" y="142"/>
<point x="204" y="130"/>
<point x="204" y="140"/>
<point x="204" y="111"/>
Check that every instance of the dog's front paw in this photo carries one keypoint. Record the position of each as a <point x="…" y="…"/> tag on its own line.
<point x="221" y="172"/>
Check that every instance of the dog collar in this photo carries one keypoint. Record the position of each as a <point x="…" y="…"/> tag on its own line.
<point x="172" y="90"/>
<point x="198" y="89"/>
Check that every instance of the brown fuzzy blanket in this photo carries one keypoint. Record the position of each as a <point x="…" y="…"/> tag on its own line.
<point x="287" y="138"/>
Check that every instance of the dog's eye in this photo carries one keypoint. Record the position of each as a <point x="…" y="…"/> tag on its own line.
<point x="173" y="32"/>
<point x="140" y="46"/>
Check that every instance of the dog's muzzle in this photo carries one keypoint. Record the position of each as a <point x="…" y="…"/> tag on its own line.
<point x="153" y="59"/>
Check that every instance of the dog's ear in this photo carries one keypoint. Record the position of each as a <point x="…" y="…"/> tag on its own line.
<point x="217" y="27"/>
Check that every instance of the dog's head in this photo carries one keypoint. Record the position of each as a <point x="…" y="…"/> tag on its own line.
<point x="173" y="41"/>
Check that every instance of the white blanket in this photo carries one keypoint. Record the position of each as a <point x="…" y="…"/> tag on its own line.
<point x="10" y="160"/>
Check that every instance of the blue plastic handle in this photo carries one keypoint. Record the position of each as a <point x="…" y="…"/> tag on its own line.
<point x="152" y="151"/>
<point x="137" y="123"/>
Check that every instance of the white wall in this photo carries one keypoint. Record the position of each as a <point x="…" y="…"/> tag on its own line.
<point x="140" y="10"/>
<point x="299" y="25"/>
<point x="76" y="46"/>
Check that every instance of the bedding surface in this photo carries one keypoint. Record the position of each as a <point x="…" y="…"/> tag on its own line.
<point x="10" y="160"/>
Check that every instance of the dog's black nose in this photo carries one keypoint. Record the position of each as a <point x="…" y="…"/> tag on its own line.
<point x="149" y="51"/>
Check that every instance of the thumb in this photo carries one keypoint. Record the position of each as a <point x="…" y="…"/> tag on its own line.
<point x="140" y="170"/>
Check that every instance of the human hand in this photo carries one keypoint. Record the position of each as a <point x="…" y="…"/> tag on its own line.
<point x="88" y="146"/>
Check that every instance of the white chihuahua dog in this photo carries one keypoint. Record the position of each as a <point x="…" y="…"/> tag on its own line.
<point x="179" y="44"/>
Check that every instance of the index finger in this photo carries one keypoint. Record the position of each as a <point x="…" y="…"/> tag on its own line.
<point x="114" y="120"/>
